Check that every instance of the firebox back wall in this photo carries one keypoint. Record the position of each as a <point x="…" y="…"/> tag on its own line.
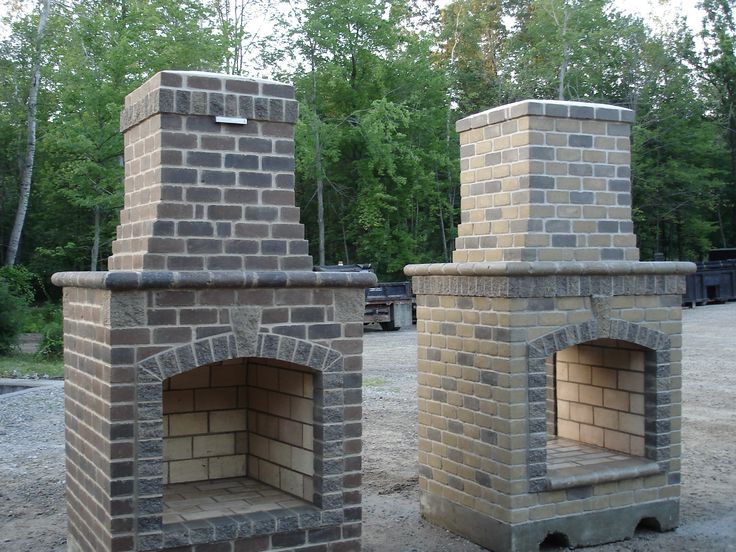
<point x="237" y="418"/>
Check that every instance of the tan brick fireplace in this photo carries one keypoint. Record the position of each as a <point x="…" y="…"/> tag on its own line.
<point x="212" y="380"/>
<point x="549" y="356"/>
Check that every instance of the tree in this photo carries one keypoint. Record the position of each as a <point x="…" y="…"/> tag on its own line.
<point x="473" y="40"/>
<point x="370" y="142"/>
<point x="575" y="49"/>
<point x="232" y="18"/>
<point x="677" y="177"/>
<point x="718" y="66"/>
<point x="103" y="51"/>
<point x="30" y="151"/>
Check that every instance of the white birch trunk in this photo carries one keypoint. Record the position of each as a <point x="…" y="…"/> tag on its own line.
<point x="27" y="171"/>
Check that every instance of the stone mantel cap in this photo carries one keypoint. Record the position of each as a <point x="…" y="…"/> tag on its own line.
<point x="150" y="279"/>
<point x="546" y="108"/>
<point x="543" y="268"/>
<point x="210" y="94"/>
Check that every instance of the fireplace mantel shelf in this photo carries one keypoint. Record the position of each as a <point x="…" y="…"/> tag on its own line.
<point x="154" y="279"/>
<point x="549" y="268"/>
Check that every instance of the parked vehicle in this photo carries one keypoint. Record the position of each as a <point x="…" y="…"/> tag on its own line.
<point x="390" y="304"/>
<point x="714" y="281"/>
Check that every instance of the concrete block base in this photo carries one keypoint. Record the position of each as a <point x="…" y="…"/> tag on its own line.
<point x="584" y="529"/>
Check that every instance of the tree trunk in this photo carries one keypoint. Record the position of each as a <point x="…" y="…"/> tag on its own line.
<point x="94" y="257"/>
<point x="344" y="240"/>
<point x="448" y="116"/>
<point x="445" y="255"/>
<point x="320" y="197"/>
<point x="318" y="167"/>
<point x="27" y="171"/>
<point x="565" y="58"/>
<point x="731" y="130"/>
<point x="722" y="231"/>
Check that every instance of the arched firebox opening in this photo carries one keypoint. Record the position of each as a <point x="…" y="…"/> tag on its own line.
<point x="238" y="438"/>
<point x="599" y="404"/>
<point x="596" y="400"/>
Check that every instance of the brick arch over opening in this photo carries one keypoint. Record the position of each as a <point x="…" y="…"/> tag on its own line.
<point x="178" y="360"/>
<point x="657" y="385"/>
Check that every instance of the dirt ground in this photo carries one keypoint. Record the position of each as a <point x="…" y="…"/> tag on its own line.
<point x="32" y="517"/>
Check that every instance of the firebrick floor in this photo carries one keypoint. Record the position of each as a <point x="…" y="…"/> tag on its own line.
<point x="564" y="453"/>
<point x="223" y="497"/>
<point x="574" y="464"/>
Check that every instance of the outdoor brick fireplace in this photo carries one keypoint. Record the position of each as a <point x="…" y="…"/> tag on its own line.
<point x="213" y="381"/>
<point x="549" y="356"/>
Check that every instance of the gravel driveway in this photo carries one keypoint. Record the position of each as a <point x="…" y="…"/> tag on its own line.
<point x="32" y="517"/>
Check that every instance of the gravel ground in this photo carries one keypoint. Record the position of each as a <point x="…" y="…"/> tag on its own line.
<point x="32" y="517"/>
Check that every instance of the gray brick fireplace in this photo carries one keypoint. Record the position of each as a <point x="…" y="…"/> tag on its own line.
<point x="213" y="380"/>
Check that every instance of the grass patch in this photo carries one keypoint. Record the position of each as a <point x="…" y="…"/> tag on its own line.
<point x="374" y="382"/>
<point x="23" y="365"/>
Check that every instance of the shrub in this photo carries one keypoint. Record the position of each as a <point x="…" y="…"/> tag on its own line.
<point x="11" y="319"/>
<point x="52" y="342"/>
<point x="21" y="282"/>
<point x="37" y="318"/>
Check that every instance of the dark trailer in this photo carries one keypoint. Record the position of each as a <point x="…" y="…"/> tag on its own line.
<point x="390" y="304"/>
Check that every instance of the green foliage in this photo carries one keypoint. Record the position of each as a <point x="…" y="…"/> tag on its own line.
<point x="11" y="320"/>
<point x="574" y="49"/>
<point x="474" y="42"/>
<point x="677" y="152"/>
<point x="37" y="318"/>
<point x="52" y="340"/>
<point x="95" y="53"/>
<point x="717" y="62"/>
<point x="379" y="142"/>
<point x="21" y="282"/>
<point x="381" y="84"/>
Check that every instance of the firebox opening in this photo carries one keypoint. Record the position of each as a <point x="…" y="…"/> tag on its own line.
<point x="595" y="405"/>
<point x="238" y="438"/>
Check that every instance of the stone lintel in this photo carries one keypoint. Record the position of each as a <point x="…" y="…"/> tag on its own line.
<point x="546" y="108"/>
<point x="132" y="280"/>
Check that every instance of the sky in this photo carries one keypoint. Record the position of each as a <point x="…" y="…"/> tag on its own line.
<point x="651" y="9"/>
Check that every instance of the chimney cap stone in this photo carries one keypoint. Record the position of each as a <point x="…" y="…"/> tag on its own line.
<point x="546" y="108"/>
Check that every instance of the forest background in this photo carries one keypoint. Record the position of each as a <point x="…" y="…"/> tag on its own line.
<point x="380" y="85"/>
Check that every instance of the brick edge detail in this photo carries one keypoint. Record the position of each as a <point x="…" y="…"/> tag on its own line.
<point x="329" y="506"/>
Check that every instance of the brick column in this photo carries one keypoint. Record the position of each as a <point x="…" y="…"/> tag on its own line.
<point x="546" y="181"/>
<point x="208" y="195"/>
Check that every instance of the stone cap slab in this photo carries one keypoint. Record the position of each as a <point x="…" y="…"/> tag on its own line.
<point x="213" y="94"/>
<point x="542" y="268"/>
<point x="546" y="108"/>
<point x="129" y="280"/>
